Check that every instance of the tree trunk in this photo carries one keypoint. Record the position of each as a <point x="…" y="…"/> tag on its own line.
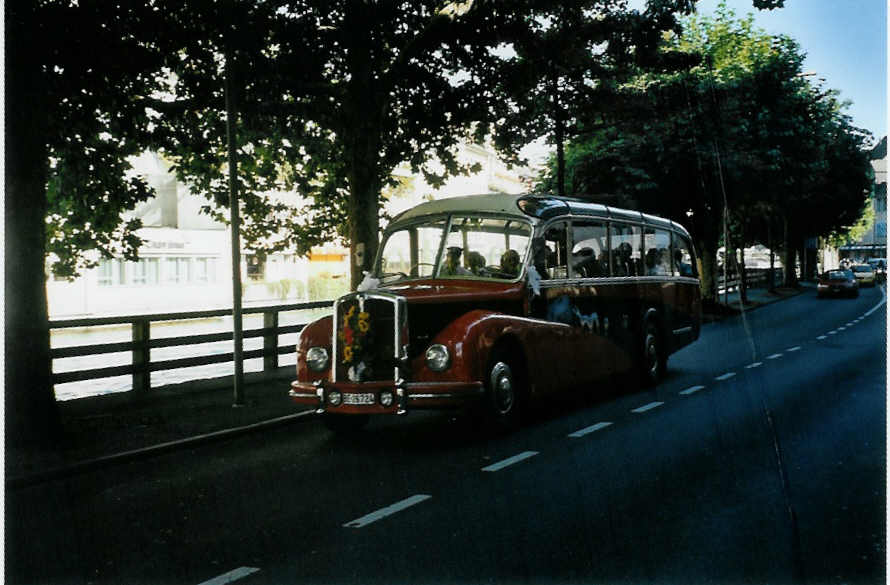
<point x="362" y="131"/>
<point x="559" y="138"/>
<point x="743" y="277"/>
<point x="364" y="223"/>
<point x="789" y="259"/>
<point x="772" y="256"/>
<point x="32" y="416"/>
<point x="708" y="272"/>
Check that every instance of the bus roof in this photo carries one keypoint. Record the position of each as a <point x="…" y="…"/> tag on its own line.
<point x="539" y="207"/>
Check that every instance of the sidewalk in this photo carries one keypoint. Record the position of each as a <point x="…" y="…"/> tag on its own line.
<point x="115" y="428"/>
<point x="757" y="297"/>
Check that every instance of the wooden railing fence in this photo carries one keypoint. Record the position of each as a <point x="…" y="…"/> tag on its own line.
<point x="142" y="343"/>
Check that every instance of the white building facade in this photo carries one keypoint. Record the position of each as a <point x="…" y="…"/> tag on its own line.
<point x="185" y="263"/>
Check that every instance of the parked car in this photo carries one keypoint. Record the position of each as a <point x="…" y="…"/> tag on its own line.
<point x="880" y="267"/>
<point x="498" y="302"/>
<point x="864" y="274"/>
<point x="839" y="282"/>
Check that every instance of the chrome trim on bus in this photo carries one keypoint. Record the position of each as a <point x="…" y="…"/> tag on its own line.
<point x="602" y="280"/>
<point x="433" y="396"/>
<point x="294" y="394"/>
<point x="682" y="330"/>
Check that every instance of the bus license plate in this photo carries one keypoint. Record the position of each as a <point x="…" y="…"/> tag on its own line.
<point x="364" y="398"/>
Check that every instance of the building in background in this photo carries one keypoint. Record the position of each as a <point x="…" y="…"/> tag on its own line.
<point x="873" y="244"/>
<point x="185" y="263"/>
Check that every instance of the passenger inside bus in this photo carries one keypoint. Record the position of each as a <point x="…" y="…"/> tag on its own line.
<point x="623" y="264"/>
<point x="476" y="262"/>
<point x="452" y="262"/>
<point x="510" y="262"/>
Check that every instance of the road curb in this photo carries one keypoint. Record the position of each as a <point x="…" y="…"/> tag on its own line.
<point x="148" y="452"/>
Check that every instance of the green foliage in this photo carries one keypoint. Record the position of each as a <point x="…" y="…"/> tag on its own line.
<point x="325" y="286"/>
<point x="569" y="59"/>
<point x="94" y="119"/>
<point x="330" y="97"/>
<point x="743" y="127"/>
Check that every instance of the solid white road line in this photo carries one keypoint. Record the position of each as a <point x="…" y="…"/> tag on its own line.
<point x="795" y="348"/>
<point x="387" y="511"/>
<point x="875" y="308"/>
<point x="775" y="356"/>
<point x="754" y="365"/>
<point x="590" y="429"/>
<point x="231" y="576"/>
<point x="646" y="407"/>
<point x="725" y="376"/>
<point x="691" y="390"/>
<point x="510" y="461"/>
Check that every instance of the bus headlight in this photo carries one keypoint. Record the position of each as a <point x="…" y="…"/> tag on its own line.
<point x="335" y="398"/>
<point x="437" y="358"/>
<point x="386" y="398"/>
<point x="317" y="359"/>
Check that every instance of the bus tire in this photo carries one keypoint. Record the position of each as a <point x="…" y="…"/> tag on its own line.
<point x="653" y="354"/>
<point x="504" y="391"/>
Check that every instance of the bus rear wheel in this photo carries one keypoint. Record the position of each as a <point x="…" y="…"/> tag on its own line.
<point x="653" y="355"/>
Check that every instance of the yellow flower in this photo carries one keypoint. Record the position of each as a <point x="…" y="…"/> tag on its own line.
<point x="347" y="354"/>
<point x="363" y="325"/>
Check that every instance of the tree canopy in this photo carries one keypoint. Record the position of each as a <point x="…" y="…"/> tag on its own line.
<point x="329" y="98"/>
<point x="745" y="130"/>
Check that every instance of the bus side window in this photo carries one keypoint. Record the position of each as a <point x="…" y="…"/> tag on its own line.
<point x="657" y="246"/>
<point x="626" y="246"/>
<point x="589" y="257"/>
<point x="550" y="253"/>
<point x="683" y="259"/>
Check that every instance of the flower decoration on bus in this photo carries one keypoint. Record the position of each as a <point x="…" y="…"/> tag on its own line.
<point x="354" y="332"/>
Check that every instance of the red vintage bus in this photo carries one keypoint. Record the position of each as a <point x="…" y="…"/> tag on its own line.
<point x="499" y="301"/>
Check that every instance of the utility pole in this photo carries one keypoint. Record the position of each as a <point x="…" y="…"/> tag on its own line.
<point x="238" y="329"/>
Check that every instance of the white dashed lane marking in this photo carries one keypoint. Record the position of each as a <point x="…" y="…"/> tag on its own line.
<point x="795" y="348"/>
<point x="691" y="390"/>
<point x="775" y="356"/>
<point x="754" y="365"/>
<point x="387" y="511"/>
<point x="822" y="337"/>
<point x="590" y="429"/>
<point x="646" y="407"/>
<point x="231" y="576"/>
<point x="510" y="461"/>
<point x="725" y="376"/>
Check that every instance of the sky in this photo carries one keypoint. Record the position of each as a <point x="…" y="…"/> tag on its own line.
<point x="845" y="42"/>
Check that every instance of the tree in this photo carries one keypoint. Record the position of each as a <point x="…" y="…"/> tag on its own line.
<point x="71" y="121"/>
<point x="742" y="133"/>
<point x="569" y="58"/>
<point x="333" y="96"/>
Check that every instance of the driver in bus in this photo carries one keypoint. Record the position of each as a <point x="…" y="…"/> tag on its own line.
<point x="452" y="262"/>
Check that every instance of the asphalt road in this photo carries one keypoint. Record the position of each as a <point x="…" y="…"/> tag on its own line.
<point x="760" y="459"/>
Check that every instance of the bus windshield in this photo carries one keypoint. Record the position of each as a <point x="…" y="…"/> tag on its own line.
<point x="472" y="248"/>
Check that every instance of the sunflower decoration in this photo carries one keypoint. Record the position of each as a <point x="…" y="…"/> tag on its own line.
<point x="354" y="332"/>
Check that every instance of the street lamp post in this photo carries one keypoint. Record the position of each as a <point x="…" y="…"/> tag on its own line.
<point x="238" y="330"/>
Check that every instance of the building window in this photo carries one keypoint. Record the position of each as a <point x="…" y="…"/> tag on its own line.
<point x="106" y="272"/>
<point x="256" y="267"/>
<point x="205" y="270"/>
<point x="177" y="270"/>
